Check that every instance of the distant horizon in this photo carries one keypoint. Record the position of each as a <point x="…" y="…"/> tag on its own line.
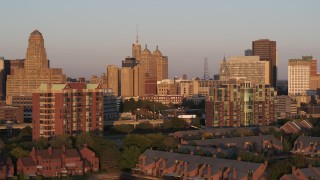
<point x="99" y="32"/>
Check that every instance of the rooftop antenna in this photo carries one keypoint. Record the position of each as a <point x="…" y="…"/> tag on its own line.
<point x="137" y="31"/>
<point x="206" y="70"/>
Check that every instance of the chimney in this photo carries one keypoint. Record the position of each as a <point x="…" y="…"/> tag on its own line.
<point x="198" y="147"/>
<point x="191" y="152"/>
<point x="63" y="149"/>
<point x="293" y="169"/>
<point x="266" y="163"/>
<point x="33" y="151"/>
<point x="234" y="173"/>
<point x="239" y="158"/>
<point x="50" y="150"/>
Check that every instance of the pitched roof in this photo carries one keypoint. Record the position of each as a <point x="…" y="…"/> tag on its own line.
<point x="306" y="140"/>
<point x="238" y="141"/>
<point x="28" y="161"/>
<point x="193" y="160"/>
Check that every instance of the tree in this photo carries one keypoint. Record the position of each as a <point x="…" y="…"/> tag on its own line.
<point x="130" y="157"/>
<point x="107" y="151"/>
<point x="84" y="138"/>
<point x="41" y="143"/>
<point x="122" y="128"/>
<point x="18" y="152"/>
<point x="157" y="140"/>
<point x="175" y="123"/>
<point x="170" y="143"/>
<point x="137" y="140"/>
<point x="60" y="141"/>
<point x="144" y="126"/>
<point x="2" y="145"/>
<point x="25" y="133"/>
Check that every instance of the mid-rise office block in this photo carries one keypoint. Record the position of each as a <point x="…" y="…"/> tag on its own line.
<point x="285" y="106"/>
<point x="6" y="68"/>
<point x="300" y="72"/>
<point x="267" y="51"/>
<point x="67" y="109"/>
<point x="249" y="67"/>
<point x="166" y="87"/>
<point x="240" y="103"/>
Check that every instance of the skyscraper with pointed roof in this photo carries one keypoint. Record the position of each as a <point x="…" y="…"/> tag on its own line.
<point x="24" y="81"/>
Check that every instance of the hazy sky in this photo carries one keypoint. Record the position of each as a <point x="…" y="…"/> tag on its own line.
<point x="83" y="37"/>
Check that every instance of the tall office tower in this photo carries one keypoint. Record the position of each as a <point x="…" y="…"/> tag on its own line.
<point x="162" y="64"/>
<point x="130" y="78"/>
<point x="25" y="81"/>
<point x="148" y="73"/>
<point x="136" y="49"/>
<point x="113" y="79"/>
<point x="67" y="108"/>
<point x="267" y="50"/>
<point x="248" y="52"/>
<point x="240" y="103"/>
<point x="299" y="73"/>
<point x="249" y="67"/>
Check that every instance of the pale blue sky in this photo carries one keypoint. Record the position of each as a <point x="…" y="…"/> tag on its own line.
<point x="83" y="37"/>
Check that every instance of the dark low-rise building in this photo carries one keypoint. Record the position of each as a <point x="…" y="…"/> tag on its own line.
<point x="6" y="168"/>
<point x="248" y="143"/>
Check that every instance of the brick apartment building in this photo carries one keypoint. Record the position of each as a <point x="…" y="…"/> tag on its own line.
<point x="58" y="162"/>
<point x="67" y="109"/>
<point x="185" y="166"/>
<point x="240" y="103"/>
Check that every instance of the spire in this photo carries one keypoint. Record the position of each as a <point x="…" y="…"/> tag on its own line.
<point x="157" y="47"/>
<point x="146" y="47"/>
<point x="224" y="58"/>
<point x="137" y="40"/>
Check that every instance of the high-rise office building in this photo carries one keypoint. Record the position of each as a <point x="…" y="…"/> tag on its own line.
<point x="162" y="64"/>
<point x="300" y="72"/>
<point x="25" y="81"/>
<point x="67" y="108"/>
<point x="240" y="103"/>
<point x="267" y="50"/>
<point x="249" y="67"/>
<point x="113" y="79"/>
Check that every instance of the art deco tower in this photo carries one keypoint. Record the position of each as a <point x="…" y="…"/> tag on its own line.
<point x="25" y="81"/>
<point x="36" y="57"/>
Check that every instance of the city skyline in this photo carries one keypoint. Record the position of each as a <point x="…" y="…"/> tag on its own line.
<point x="102" y="33"/>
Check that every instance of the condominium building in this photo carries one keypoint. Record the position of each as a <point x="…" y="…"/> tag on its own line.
<point x="249" y="67"/>
<point x="36" y="70"/>
<point x="300" y="72"/>
<point x="67" y="109"/>
<point x="240" y="103"/>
